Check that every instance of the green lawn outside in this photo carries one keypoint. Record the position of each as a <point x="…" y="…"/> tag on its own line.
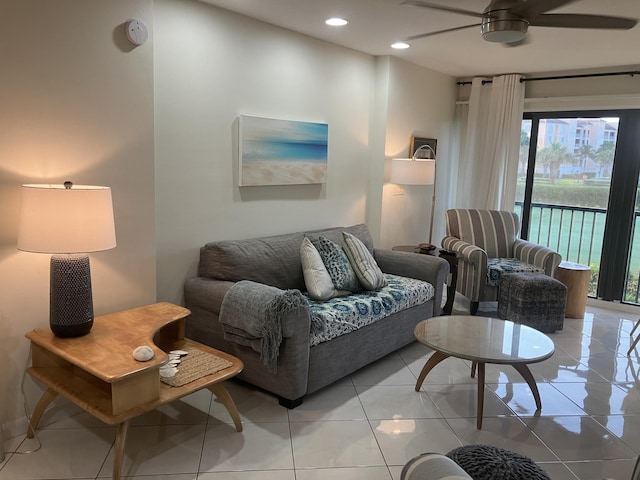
<point x="580" y="239"/>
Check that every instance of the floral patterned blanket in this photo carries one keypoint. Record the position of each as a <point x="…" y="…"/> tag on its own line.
<point x="342" y="315"/>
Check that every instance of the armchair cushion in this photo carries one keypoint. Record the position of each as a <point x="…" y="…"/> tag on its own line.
<point x="501" y="266"/>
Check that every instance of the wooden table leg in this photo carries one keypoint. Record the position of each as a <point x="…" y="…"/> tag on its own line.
<point x="47" y="397"/>
<point x="451" y="289"/>
<point x="451" y="294"/>
<point x="480" y="411"/>
<point x="528" y="376"/>
<point x="223" y="395"/>
<point x="434" y="360"/>
<point x="118" y="456"/>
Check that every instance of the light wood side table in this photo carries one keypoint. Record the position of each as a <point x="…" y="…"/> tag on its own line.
<point x="98" y="373"/>
<point x="576" y="277"/>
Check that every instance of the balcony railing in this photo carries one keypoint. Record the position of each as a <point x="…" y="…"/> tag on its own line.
<point x="577" y="233"/>
<point x="574" y="232"/>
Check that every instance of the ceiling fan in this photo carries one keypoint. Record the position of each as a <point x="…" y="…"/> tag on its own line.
<point x="507" y="21"/>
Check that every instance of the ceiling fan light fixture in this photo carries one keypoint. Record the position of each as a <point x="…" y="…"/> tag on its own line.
<point x="504" y="30"/>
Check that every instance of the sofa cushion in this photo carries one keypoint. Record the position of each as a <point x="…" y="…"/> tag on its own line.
<point x="273" y="261"/>
<point x="369" y="274"/>
<point x="338" y="266"/>
<point x="342" y="315"/>
<point x="316" y="277"/>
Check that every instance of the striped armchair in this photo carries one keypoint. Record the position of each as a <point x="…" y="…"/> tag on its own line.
<point x="489" y="244"/>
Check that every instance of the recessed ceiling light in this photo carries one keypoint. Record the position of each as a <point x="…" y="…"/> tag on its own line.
<point x="400" y="45"/>
<point x="336" y="22"/>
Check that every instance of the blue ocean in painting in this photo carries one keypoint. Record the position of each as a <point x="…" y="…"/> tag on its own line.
<point x="283" y="140"/>
<point x="274" y="150"/>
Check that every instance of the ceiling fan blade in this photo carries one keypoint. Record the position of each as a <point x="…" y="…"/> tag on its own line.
<point x="423" y="35"/>
<point x="530" y="8"/>
<point x="582" y="21"/>
<point x="435" y="6"/>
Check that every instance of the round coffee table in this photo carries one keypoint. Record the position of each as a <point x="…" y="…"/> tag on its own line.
<point x="483" y="340"/>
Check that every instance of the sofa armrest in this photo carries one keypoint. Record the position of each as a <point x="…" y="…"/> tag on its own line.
<point x="208" y="294"/>
<point x="538" y="255"/>
<point x="422" y="267"/>
<point x="203" y="296"/>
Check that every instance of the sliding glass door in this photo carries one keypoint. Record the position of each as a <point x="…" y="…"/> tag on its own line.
<point x="577" y="184"/>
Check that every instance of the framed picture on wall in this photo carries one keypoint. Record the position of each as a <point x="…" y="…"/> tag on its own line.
<point x="282" y="152"/>
<point x="417" y="142"/>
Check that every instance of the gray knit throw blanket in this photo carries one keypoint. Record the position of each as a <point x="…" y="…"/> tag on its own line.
<point x="251" y="315"/>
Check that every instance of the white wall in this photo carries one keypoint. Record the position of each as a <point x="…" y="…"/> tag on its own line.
<point x="76" y="104"/>
<point x="421" y="103"/>
<point x="212" y="65"/>
<point x="158" y="124"/>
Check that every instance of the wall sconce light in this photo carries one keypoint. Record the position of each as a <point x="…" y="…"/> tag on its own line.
<point x="68" y="221"/>
<point x="418" y="170"/>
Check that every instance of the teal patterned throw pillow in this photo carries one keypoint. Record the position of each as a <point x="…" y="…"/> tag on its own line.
<point x="337" y="264"/>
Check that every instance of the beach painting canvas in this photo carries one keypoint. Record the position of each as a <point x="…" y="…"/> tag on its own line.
<point x="282" y="152"/>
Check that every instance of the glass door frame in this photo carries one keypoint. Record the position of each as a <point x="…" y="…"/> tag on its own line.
<point x="622" y="194"/>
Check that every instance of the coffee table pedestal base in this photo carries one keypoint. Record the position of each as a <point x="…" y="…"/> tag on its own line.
<point x="521" y="368"/>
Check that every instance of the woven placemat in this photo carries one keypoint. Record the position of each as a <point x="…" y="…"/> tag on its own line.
<point x="196" y="364"/>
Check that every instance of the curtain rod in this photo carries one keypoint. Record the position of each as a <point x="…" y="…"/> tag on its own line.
<point x="562" y="77"/>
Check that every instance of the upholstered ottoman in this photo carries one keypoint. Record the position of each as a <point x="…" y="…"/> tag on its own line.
<point x="533" y="299"/>
<point x="486" y="462"/>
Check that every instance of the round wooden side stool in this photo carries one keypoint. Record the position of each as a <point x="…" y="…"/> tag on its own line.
<point x="576" y="277"/>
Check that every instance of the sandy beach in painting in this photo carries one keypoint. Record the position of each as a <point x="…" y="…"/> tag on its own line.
<point x="283" y="172"/>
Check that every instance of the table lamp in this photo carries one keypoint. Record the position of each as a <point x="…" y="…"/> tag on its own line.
<point x="67" y="221"/>
<point x="417" y="170"/>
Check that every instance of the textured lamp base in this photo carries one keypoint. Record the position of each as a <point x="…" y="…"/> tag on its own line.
<point x="71" y="300"/>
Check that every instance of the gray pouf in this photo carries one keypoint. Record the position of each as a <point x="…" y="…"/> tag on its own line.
<point x="485" y="462"/>
<point x="533" y="299"/>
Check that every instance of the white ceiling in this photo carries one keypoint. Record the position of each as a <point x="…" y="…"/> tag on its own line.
<point x="375" y="24"/>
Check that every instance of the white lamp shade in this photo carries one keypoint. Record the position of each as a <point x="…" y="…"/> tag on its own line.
<point x="55" y="219"/>
<point x="407" y="171"/>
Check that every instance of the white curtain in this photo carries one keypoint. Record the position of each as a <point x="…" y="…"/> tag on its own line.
<point x="489" y="132"/>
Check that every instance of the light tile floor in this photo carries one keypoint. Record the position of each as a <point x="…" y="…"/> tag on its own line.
<point x="369" y="424"/>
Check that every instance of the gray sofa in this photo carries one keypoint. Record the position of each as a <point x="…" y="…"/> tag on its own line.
<point x="275" y="262"/>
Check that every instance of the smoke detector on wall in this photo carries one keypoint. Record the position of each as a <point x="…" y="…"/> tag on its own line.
<point x="136" y="32"/>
